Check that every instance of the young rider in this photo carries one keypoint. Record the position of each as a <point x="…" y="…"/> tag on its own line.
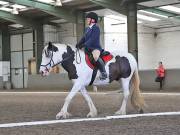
<point x="91" y="41"/>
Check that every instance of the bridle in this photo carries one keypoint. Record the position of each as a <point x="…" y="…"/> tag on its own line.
<point x="52" y="64"/>
<point x="51" y="61"/>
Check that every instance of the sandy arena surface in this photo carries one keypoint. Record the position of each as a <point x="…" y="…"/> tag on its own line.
<point x="26" y="107"/>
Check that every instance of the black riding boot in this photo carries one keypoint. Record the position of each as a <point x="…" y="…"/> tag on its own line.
<point x="101" y="67"/>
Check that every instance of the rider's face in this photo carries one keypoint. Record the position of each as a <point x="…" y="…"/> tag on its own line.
<point x="88" y="21"/>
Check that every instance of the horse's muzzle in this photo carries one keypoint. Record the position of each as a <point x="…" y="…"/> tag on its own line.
<point x="44" y="73"/>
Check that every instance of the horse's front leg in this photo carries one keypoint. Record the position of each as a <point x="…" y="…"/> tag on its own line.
<point x="92" y="108"/>
<point x="94" y="88"/>
<point x="64" y="113"/>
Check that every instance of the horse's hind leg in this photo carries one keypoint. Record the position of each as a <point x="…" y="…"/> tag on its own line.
<point x="64" y="113"/>
<point x="125" y="85"/>
<point x="92" y="108"/>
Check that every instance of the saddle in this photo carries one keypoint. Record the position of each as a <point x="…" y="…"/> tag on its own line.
<point x="105" y="56"/>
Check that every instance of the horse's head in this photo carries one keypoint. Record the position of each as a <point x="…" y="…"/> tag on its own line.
<point x="50" y="58"/>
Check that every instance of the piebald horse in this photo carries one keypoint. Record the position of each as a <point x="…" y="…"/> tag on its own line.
<point x="122" y="68"/>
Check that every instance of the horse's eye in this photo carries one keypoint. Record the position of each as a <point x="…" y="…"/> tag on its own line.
<point x="48" y="54"/>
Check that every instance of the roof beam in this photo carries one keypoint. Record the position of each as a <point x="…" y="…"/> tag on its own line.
<point x="18" y="19"/>
<point x="111" y="4"/>
<point x="158" y="11"/>
<point x="161" y="12"/>
<point x="50" y="9"/>
<point x="93" y="8"/>
<point x="117" y="5"/>
<point x="139" y="1"/>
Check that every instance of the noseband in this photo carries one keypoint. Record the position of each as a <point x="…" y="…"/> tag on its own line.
<point x="49" y="64"/>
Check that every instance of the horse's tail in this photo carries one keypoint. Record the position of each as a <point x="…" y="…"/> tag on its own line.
<point x="137" y="99"/>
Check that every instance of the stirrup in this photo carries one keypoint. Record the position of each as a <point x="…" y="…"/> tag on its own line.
<point x="103" y="76"/>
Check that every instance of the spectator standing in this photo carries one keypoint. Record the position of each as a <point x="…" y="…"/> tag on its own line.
<point x="160" y="71"/>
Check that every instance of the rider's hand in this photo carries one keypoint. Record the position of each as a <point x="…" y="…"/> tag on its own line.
<point x="79" y="46"/>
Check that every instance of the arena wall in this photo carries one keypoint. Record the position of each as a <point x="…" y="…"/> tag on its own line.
<point x="61" y="81"/>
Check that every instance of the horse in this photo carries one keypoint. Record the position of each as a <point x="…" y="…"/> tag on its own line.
<point x="122" y="68"/>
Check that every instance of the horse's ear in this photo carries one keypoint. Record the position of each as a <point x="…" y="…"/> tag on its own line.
<point x="50" y="46"/>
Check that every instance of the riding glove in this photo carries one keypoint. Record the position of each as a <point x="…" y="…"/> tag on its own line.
<point x="79" y="46"/>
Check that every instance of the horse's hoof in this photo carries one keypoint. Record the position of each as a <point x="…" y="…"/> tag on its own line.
<point x="120" y="113"/>
<point x="141" y="111"/>
<point x="63" y="115"/>
<point x="91" y="115"/>
<point x="59" y="116"/>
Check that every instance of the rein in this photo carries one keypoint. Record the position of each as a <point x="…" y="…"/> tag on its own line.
<point x="51" y="60"/>
<point x="49" y="63"/>
<point x="77" y="51"/>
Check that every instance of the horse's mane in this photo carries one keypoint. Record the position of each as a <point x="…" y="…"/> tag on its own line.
<point x="60" y="45"/>
<point x="64" y="46"/>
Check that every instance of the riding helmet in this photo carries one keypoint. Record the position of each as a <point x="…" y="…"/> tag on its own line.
<point x="92" y="15"/>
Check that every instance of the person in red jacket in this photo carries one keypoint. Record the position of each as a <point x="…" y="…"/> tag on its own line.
<point x="160" y="71"/>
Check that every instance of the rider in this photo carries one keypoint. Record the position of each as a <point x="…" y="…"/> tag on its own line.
<point x="91" y="41"/>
